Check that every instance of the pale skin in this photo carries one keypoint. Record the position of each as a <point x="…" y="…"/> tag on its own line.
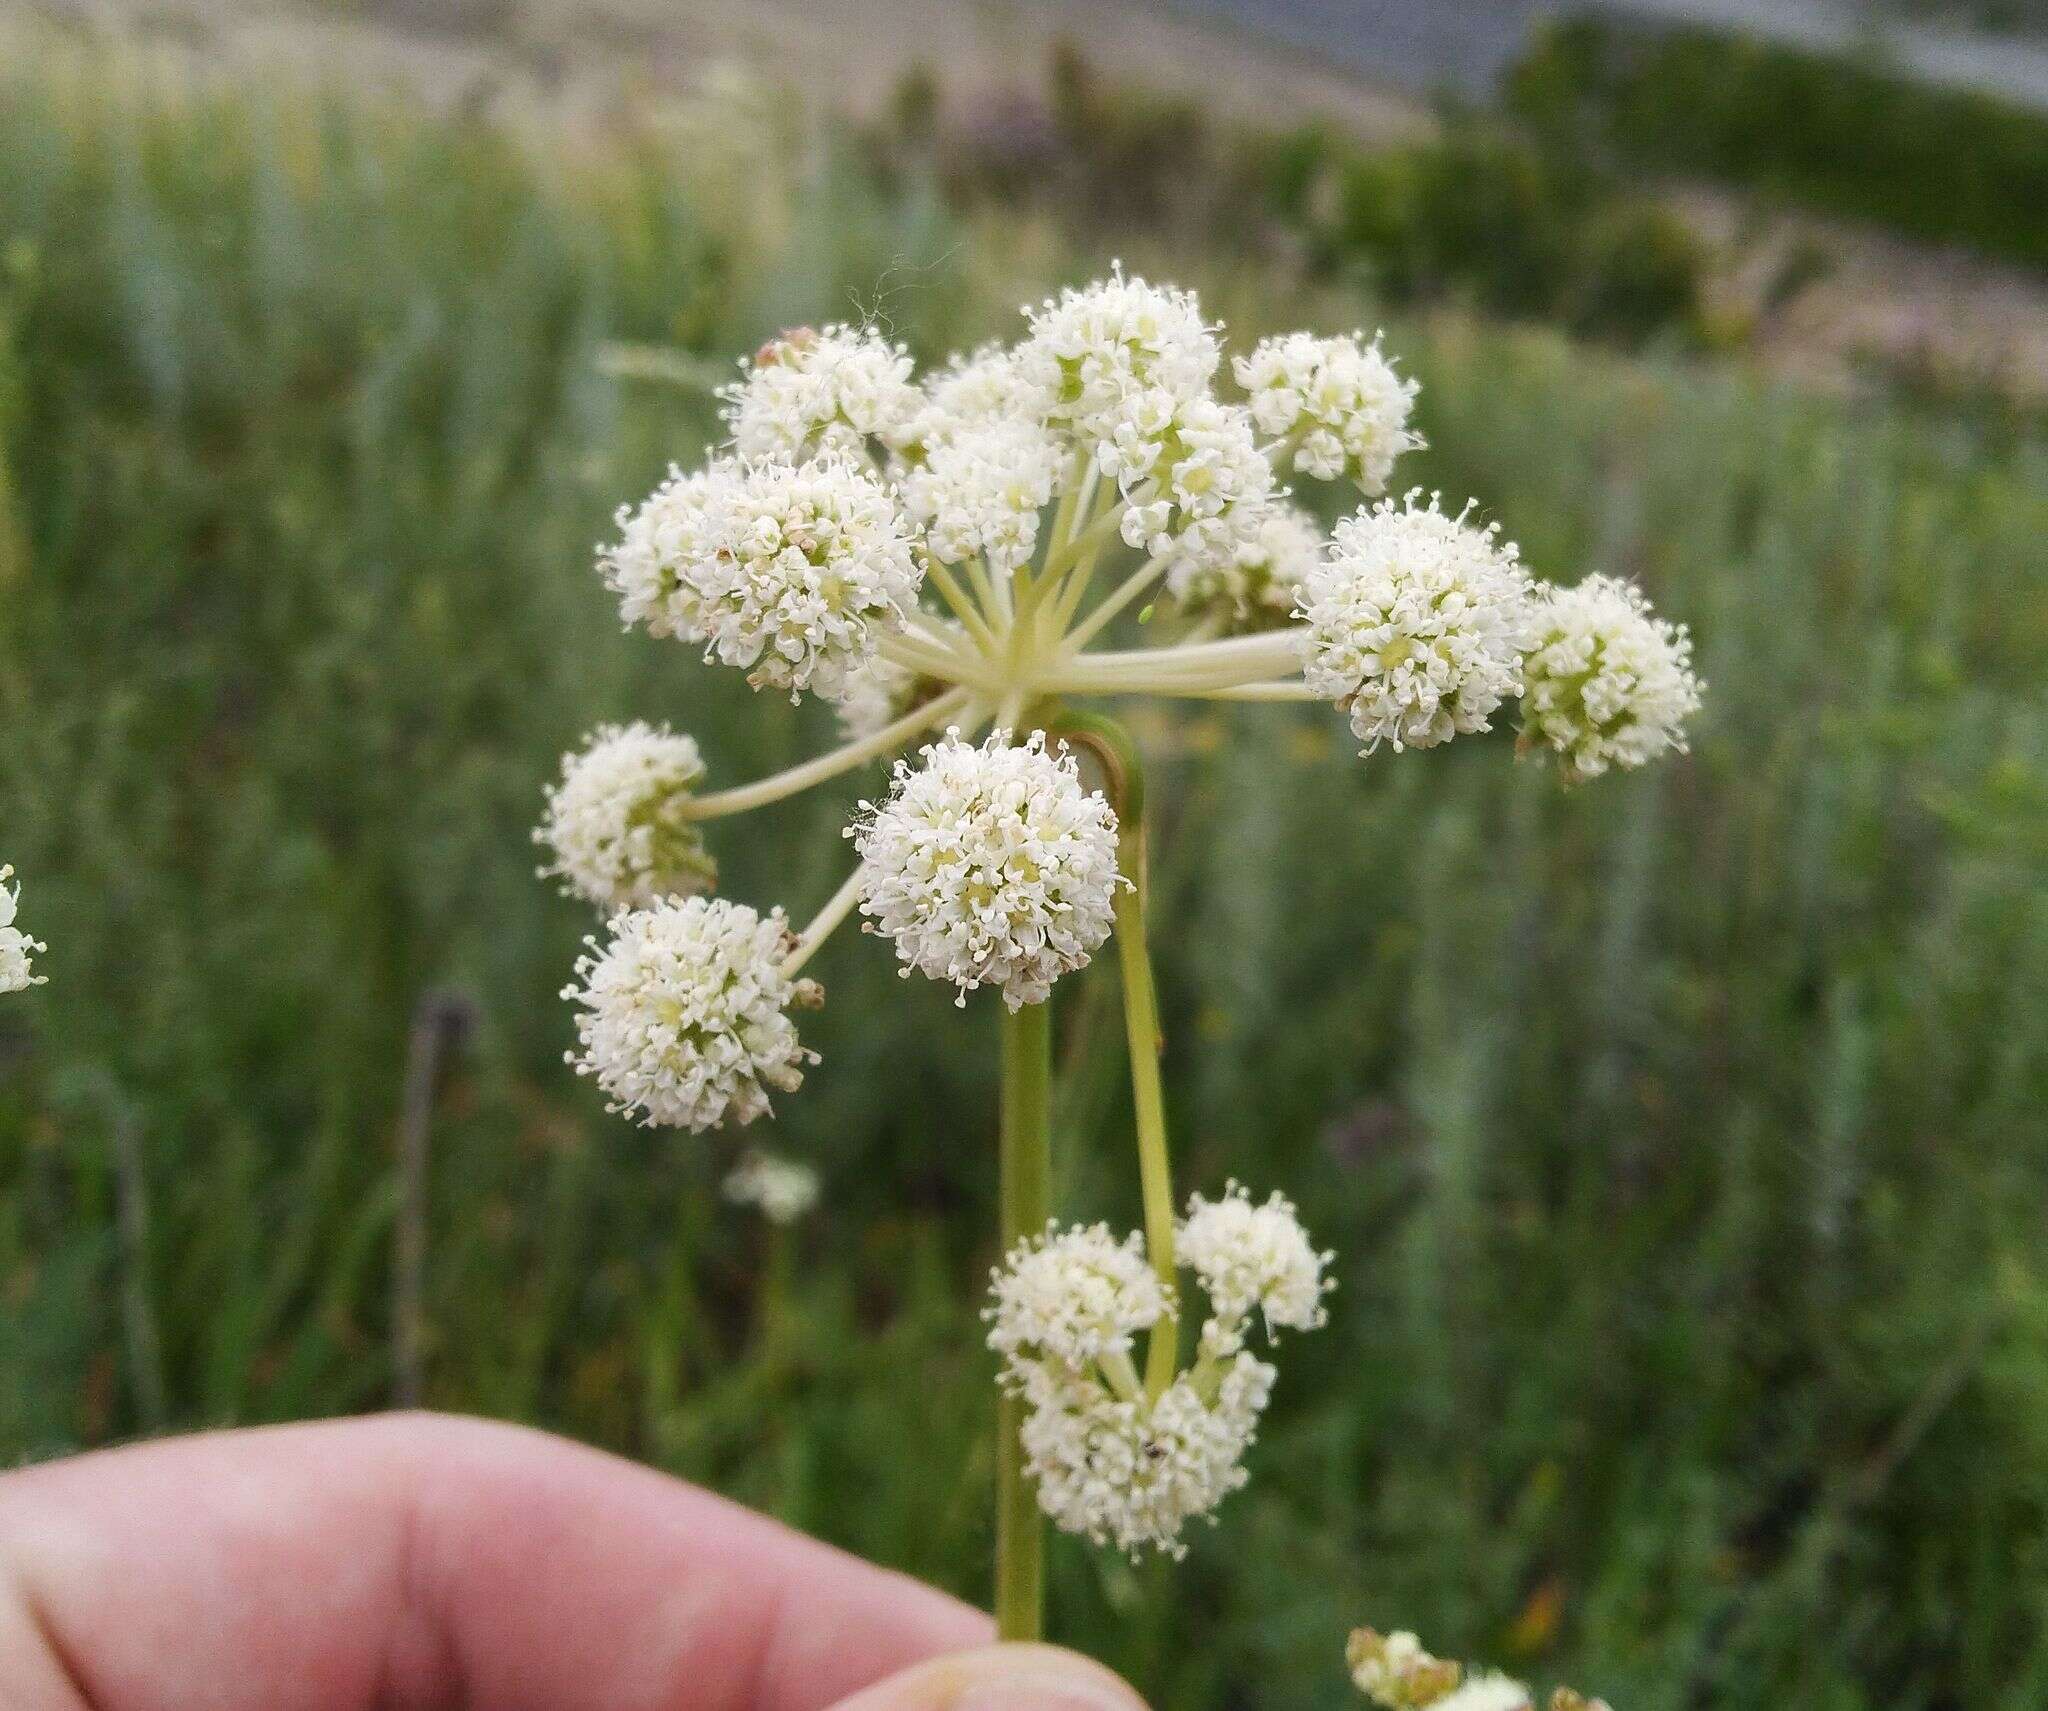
<point x="409" y="1562"/>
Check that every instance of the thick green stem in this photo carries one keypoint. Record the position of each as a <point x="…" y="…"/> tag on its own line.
<point x="1026" y="1205"/>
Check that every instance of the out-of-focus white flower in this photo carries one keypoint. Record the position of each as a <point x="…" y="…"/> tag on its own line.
<point x="16" y="947"/>
<point x="792" y="572"/>
<point x="1394" y="1671"/>
<point x="1339" y="396"/>
<point x="1208" y="481"/>
<point x="1490" y="1692"/>
<point x="1074" y="1295"/>
<point x="1416" y="624"/>
<point x="1256" y="584"/>
<point x="780" y="1188"/>
<point x="1096" y="352"/>
<point x="683" y="1013"/>
<point x="1124" y="1471"/>
<point x="979" y="491"/>
<point x="873" y="695"/>
<point x="618" y="822"/>
<point x="1607" y="682"/>
<point x="990" y="865"/>
<point x="809" y="394"/>
<point x="1253" y="1258"/>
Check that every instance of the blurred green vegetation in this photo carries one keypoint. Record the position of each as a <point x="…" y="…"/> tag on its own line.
<point x="1471" y="212"/>
<point x="1832" y="132"/>
<point x="1680" y="1137"/>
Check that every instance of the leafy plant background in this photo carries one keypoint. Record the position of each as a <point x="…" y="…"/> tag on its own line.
<point x="1680" y="1136"/>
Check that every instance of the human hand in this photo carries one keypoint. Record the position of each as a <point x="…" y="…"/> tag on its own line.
<point x="413" y="1561"/>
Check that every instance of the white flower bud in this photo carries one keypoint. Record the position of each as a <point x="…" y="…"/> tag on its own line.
<point x="682" y="1019"/>
<point x="990" y="866"/>
<point x="793" y="573"/>
<point x="809" y="394"/>
<point x="1416" y="624"/>
<point x="1607" y="683"/>
<point x="1094" y="350"/>
<point x="619" y="823"/>
<point x="1340" y="395"/>
<point x="1074" y="1296"/>
<point x="1253" y="1259"/>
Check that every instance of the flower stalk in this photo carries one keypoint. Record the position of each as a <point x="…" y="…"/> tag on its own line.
<point x="1026" y="1205"/>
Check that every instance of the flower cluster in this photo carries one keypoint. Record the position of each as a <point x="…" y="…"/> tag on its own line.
<point x="1258" y="582"/>
<point x="1119" y="351"/>
<point x="1606" y="682"/>
<point x="1417" y="622"/>
<point x="16" y="947"/>
<point x="619" y="821"/>
<point x="1393" y="1671"/>
<point x="979" y="490"/>
<point x="683" y="1013"/>
<point x="781" y="1189"/>
<point x="1336" y="402"/>
<point x="990" y="865"/>
<point x="1113" y="1458"/>
<point x="793" y="571"/>
<point x="808" y="394"/>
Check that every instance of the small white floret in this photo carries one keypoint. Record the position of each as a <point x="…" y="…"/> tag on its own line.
<point x="1095" y="350"/>
<point x="990" y="865"/>
<point x="682" y="1017"/>
<point x="1416" y="624"/>
<point x="794" y="573"/>
<point x="1253" y="1259"/>
<point x="1074" y="1295"/>
<point x="809" y="394"/>
<point x="1340" y="400"/>
<point x="619" y="823"/>
<point x="1607" y="683"/>
<point x="16" y="947"/>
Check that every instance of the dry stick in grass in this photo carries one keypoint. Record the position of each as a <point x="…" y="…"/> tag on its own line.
<point x="440" y="1022"/>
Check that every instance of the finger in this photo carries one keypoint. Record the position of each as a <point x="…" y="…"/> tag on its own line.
<point x="999" y="1678"/>
<point x="423" y="1561"/>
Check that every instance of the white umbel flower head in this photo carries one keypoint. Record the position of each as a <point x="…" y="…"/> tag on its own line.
<point x="1208" y="481"/>
<point x="781" y="1189"/>
<point x="1253" y="1259"/>
<point x="1097" y="352"/>
<point x="1256" y="584"/>
<point x="683" y="1013"/>
<point x="1416" y="623"/>
<point x="618" y="822"/>
<point x="1394" y="1671"/>
<point x="1074" y="1296"/>
<point x="990" y="866"/>
<point x="809" y="394"/>
<point x="1126" y="1471"/>
<point x="16" y="947"/>
<point x="1340" y="398"/>
<point x="794" y="573"/>
<point x="979" y="491"/>
<point x="1607" y="683"/>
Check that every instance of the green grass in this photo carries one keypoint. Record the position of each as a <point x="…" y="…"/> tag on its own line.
<point x="1680" y="1136"/>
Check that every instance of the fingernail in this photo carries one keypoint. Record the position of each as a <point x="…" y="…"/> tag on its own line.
<point x="1046" y="1679"/>
<point x="1000" y="1678"/>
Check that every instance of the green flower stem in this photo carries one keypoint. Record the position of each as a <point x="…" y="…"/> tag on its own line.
<point x="1112" y="746"/>
<point x="1026" y="1206"/>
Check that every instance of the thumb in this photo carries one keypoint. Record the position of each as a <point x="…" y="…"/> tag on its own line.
<point x="999" y="1678"/>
